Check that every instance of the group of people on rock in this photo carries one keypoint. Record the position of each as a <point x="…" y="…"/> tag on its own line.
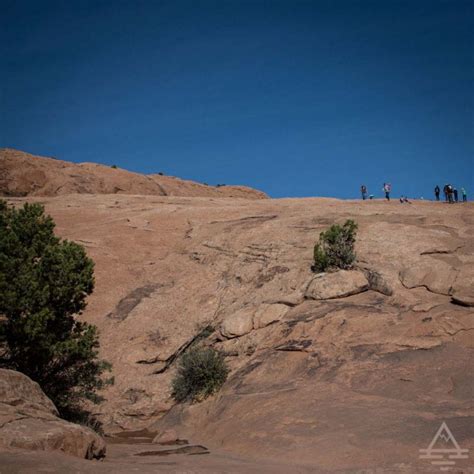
<point x="451" y="193"/>
<point x="387" y="189"/>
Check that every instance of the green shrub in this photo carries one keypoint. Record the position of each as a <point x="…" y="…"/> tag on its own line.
<point x="43" y="284"/>
<point x="335" y="248"/>
<point x="114" y="167"/>
<point x="201" y="372"/>
<point x="204" y="330"/>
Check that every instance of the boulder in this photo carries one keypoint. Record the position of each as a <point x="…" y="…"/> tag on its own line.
<point x="19" y="391"/>
<point x="337" y="285"/>
<point x="237" y="324"/>
<point x="435" y="275"/>
<point x="166" y="437"/>
<point x="267" y="314"/>
<point x="377" y="282"/>
<point x="29" y="420"/>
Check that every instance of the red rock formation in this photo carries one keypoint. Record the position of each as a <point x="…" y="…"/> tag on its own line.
<point x="22" y="174"/>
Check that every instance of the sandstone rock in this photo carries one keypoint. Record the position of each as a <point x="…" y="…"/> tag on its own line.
<point x="28" y="420"/>
<point x="267" y="314"/>
<point x="435" y="275"/>
<point x="22" y="174"/>
<point x="237" y="324"/>
<point x="293" y="299"/>
<point x="463" y="299"/>
<point x="337" y="285"/>
<point x="166" y="437"/>
<point x="189" y="450"/>
<point x="356" y="366"/>
<point x="19" y="391"/>
<point x="377" y="282"/>
<point x="424" y="307"/>
<point x="463" y="288"/>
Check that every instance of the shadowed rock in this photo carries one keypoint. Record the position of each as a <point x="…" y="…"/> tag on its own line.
<point x="189" y="450"/>
<point x="128" y="303"/>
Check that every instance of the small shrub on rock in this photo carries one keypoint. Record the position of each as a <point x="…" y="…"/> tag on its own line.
<point x="335" y="248"/>
<point x="201" y="372"/>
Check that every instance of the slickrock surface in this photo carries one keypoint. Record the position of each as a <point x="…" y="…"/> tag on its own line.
<point x="29" y="420"/>
<point x="22" y="174"/>
<point x="333" y="373"/>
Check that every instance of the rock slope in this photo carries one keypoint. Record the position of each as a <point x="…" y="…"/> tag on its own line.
<point x="334" y="373"/>
<point x="22" y="174"/>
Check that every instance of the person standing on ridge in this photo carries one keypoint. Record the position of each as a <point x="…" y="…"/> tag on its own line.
<point x="455" y="192"/>
<point x="387" y="187"/>
<point x="450" y="193"/>
<point x="363" y="191"/>
<point x="464" y="195"/>
<point x="445" y="191"/>
<point x="437" y="190"/>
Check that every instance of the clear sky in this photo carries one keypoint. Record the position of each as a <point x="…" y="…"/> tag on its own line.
<point x="294" y="98"/>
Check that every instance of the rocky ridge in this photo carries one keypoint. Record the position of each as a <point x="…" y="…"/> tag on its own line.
<point x="22" y="174"/>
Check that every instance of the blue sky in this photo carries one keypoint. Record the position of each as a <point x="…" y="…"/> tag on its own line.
<point x="294" y="98"/>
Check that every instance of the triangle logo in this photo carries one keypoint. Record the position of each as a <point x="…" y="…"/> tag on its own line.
<point x="444" y="450"/>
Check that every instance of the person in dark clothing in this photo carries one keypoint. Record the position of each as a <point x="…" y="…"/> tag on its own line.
<point x="455" y="192"/>
<point x="445" y="191"/>
<point x="450" y="194"/>
<point x="387" y="187"/>
<point x="437" y="190"/>
<point x="363" y="191"/>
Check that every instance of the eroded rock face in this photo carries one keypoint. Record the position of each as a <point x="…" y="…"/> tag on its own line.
<point x="339" y="284"/>
<point x="437" y="276"/>
<point x="28" y="420"/>
<point x="350" y="382"/>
